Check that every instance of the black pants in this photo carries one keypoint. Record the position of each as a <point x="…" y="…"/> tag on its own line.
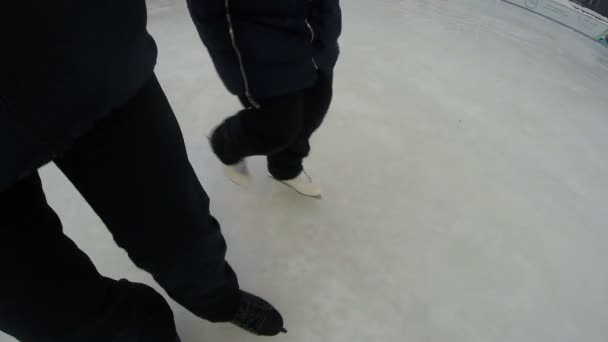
<point x="133" y="170"/>
<point x="280" y="129"/>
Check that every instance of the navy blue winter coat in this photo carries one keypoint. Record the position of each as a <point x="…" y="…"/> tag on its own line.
<point x="265" y="48"/>
<point x="66" y="64"/>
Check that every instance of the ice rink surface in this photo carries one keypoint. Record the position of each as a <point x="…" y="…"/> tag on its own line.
<point x="465" y="171"/>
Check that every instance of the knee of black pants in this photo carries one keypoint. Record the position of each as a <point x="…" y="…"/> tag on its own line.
<point x="260" y="131"/>
<point x="285" y="121"/>
<point x="285" y="132"/>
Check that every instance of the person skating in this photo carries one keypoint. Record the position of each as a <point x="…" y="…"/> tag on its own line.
<point x="77" y="87"/>
<point x="278" y="57"/>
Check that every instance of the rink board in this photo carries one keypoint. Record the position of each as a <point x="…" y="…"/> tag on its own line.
<point x="580" y="19"/>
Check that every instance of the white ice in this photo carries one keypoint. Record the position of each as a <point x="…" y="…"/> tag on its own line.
<point x="466" y="179"/>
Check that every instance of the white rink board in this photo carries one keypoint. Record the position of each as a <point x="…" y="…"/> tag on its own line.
<point x="568" y="14"/>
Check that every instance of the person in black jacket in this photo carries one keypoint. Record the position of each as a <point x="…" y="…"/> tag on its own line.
<point x="77" y="88"/>
<point x="278" y="57"/>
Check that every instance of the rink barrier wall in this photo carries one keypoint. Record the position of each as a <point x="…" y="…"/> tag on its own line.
<point x="584" y="21"/>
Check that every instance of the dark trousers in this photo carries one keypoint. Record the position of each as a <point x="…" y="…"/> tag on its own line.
<point x="280" y="129"/>
<point x="133" y="170"/>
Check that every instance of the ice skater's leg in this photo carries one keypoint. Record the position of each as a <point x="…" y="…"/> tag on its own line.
<point x="50" y="289"/>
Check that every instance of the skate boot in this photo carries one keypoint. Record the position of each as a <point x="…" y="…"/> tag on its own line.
<point x="304" y="185"/>
<point x="238" y="173"/>
<point x="258" y="316"/>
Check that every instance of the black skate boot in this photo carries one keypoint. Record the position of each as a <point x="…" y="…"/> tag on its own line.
<point x="258" y="316"/>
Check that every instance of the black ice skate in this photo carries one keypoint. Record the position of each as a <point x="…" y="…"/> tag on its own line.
<point x="258" y="316"/>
